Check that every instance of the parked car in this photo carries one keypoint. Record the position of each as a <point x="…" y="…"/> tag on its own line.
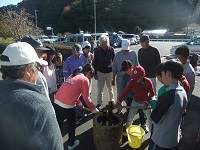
<point x="130" y="37"/>
<point x="193" y="45"/>
<point x="115" y="40"/>
<point x="53" y="38"/>
<point x="60" y="40"/>
<point x="75" y="38"/>
<point x="137" y="38"/>
<point x="44" y="39"/>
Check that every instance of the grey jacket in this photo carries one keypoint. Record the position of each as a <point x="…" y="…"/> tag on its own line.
<point x="27" y="119"/>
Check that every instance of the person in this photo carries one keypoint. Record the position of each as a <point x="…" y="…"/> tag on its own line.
<point x="59" y="69"/>
<point x="182" y="53"/>
<point x="127" y="67"/>
<point x="143" y="91"/>
<point x="103" y="58"/>
<point x="27" y="120"/>
<point x="169" y="109"/>
<point x="39" y="49"/>
<point x="50" y="73"/>
<point x="74" y="61"/>
<point x="124" y="54"/>
<point x="89" y="57"/>
<point x="66" y="100"/>
<point x="149" y="58"/>
<point x="182" y="81"/>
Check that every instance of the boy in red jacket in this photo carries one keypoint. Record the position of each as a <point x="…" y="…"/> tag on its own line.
<point x="143" y="90"/>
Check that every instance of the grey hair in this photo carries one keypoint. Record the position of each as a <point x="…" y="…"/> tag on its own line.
<point x="104" y="38"/>
<point x="16" y="72"/>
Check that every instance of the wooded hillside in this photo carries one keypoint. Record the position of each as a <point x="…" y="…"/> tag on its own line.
<point x="113" y="15"/>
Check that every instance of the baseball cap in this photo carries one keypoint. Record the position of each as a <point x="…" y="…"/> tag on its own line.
<point x="125" y="44"/>
<point x="34" y="42"/>
<point x="86" y="43"/>
<point x="125" y="65"/>
<point x="59" y="54"/>
<point x="20" y="53"/>
<point x="144" y="38"/>
<point x="77" y="49"/>
<point x="137" y="72"/>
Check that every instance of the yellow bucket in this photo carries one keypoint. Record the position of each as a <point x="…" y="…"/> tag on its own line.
<point x="135" y="136"/>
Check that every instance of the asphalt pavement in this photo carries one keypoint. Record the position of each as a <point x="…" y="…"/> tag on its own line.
<point x="191" y="125"/>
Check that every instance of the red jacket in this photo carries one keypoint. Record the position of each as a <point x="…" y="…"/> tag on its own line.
<point x="143" y="92"/>
<point x="185" y="84"/>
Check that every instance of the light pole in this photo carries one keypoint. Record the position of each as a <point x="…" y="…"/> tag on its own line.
<point x="52" y="31"/>
<point x="95" y="19"/>
<point x="36" y="17"/>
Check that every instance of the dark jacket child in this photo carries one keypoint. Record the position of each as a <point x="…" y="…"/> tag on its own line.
<point x="169" y="109"/>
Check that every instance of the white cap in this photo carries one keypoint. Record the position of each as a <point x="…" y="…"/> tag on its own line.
<point x="86" y="43"/>
<point x="20" y="53"/>
<point x="125" y="44"/>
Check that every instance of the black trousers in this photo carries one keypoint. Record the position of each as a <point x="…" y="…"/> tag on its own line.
<point x="153" y="146"/>
<point x="70" y="115"/>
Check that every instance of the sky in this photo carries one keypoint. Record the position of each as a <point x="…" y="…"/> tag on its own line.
<point x="8" y="2"/>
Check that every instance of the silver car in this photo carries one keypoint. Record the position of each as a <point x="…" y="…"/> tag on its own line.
<point x="193" y="45"/>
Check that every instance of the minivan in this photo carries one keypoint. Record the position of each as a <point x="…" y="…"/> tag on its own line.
<point x="72" y="39"/>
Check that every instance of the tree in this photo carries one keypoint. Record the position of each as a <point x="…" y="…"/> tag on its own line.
<point x="17" y="24"/>
<point x="137" y="30"/>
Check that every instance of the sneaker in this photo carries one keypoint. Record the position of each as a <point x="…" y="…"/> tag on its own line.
<point x="146" y="129"/>
<point x="76" y="143"/>
<point x="98" y="106"/>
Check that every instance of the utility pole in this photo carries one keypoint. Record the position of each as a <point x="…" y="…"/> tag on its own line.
<point x="95" y="30"/>
<point x="36" y="17"/>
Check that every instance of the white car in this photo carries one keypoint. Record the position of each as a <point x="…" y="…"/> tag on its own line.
<point x="44" y="39"/>
<point x="193" y="45"/>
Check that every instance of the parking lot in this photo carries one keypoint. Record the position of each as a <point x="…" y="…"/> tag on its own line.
<point x="190" y="127"/>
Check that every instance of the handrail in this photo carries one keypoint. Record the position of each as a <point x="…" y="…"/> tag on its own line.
<point x="171" y="40"/>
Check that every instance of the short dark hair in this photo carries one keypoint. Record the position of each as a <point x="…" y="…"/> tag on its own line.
<point x="86" y="68"/>
<point x="175" y="67"/>
<point x="159" y="69"/>
<point x="183" y="51"/>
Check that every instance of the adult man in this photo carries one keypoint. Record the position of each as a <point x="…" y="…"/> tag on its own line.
<point x="74" y="61"/>
<point x="103" y="58"/>
<point x="37" y="45"/>
<point x="149" y="58"/>
<point x="27" y="119"/>
<point x="124" y="54"/>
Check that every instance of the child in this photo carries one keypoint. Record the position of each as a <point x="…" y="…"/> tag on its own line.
<point x="127" y="67"/>
<point x="182" y="81"/>
<point x="182" y="53"/>
<point x="169" y="109"/>
<point x="143" y="93"/>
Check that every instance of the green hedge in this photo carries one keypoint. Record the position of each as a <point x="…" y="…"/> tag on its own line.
<point x="5" y="42"/>
<point x="66" y="51"/>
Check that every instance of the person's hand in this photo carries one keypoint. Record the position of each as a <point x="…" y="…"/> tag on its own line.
<point x="119" y="109"/>
<point x="146" y="106"/>
<point x="95" y="76"/>
<point x="113" y="82"/>
<point x="98" y="113"/>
